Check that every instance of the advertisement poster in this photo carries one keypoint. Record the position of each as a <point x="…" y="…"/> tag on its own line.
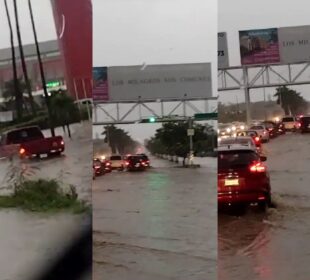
<point x="222" y="52"/>
<point x="294" y="44"/>
<point x="259" y="46"/>
<point x="100" y="84"/>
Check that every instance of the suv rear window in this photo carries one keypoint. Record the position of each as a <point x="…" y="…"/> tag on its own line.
<point x="236" y="159"/>
<point x="236" y="141"/>
<point x="115" y="158"/>
<point x="289" y="119"/>
<point x="305" y="119"/>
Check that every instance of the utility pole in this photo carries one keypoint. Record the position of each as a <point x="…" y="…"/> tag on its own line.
<point x="47" y="98"/>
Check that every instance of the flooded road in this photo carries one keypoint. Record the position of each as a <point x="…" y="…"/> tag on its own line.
<point x="29" y="241"/>
<point x="275" y="245"/>
<point x="158" y="224"/>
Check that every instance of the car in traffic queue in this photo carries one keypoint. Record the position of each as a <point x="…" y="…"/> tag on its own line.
<point x="304" y="124"/>
<point x="135" y="163"/>
<point x="272" y="128"/>
<point x="262" y="132"/>
<point x="224" y="130"/>
<point x="146" y="159"/>
<point x="117" y="162"/>
<point x="243" y="178"/>
<point x="98" y="167"/>
<point x="239" y="140"/>
<point x="290" y="123"/>
<point x="254" y="135"/>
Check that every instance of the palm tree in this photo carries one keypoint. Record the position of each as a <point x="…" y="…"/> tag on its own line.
<point x="63" y="110"/>
<point x="23" y="62"/>
<point x="290" y="100"/>
<point x="16" y="92"/>
<point x="9" y="93"/>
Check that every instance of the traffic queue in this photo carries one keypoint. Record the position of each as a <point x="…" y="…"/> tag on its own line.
<point x="243" y="177"/>
<point x="131" y="162"/>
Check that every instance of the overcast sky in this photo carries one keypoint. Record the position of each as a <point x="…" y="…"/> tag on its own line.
<point x="154" y="32"/>
<point x="244" y="14"/>
<point x="43" y="17"/>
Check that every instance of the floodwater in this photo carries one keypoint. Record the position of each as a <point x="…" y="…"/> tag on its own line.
<point x="30" y="241"/>
<point x="275" y="245"/>
<point x="157" y="224"/>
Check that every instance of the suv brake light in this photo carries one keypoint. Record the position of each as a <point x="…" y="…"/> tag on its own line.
<point x="257" y="167"/>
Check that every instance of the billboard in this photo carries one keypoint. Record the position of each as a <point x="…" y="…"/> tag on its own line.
<point x="222" y="52"/>
<point x="159" y="82"/>
<point x="73" y="20"/>
<point x="100" y="84"/>
<point x="294" y="43"/>
<point x="260" y="46"/>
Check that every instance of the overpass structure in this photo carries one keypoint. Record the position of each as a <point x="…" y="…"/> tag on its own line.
<point x="257" y="76"/>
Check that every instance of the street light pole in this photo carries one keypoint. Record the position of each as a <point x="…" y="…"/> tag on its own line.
<point x="47" y="98"/>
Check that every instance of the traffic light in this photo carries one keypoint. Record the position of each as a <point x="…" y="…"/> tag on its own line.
<point x="148" y="120"/>
<point x="152" y="119"/>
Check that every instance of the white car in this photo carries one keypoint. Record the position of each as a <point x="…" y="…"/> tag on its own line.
<point x="290" y="123"/>
<point x="242" y="141"/>
<point x="117" y="162"/>
<point x="262" y="132"/>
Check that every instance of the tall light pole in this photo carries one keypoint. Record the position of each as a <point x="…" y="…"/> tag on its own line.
<point x="47" y="98"/>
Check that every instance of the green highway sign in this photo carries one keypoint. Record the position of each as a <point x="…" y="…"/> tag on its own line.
<point x="52" y="84"/>
<point x="205" y="116"/>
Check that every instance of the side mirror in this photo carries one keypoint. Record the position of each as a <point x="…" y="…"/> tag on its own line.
<point x="263" y="158"/>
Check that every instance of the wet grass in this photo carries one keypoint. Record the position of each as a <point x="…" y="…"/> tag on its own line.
<point x="43" y="196"/>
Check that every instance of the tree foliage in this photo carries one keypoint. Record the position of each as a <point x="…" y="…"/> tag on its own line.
<point x="290" y="100"/>
<point x="119" y="140"/>
<point x="172" y="139"/>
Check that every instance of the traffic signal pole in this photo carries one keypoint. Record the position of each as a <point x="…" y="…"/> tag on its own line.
<point x="191" y="144"/>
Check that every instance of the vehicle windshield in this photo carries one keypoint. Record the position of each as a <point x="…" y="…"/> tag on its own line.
<point x="236" y="159"/>
<point x="24" y="135"/>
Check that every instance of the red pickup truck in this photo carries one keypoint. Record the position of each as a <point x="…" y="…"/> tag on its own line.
<point x="30" y="142"/>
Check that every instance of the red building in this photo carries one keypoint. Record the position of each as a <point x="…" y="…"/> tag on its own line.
<point x="73" y="20"/>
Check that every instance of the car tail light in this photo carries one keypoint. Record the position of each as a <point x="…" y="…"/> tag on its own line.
<point x="108" y="163"/>
<point x="22" y="151"/>
<point x="262" y="197"/>
<point x="298" y="124"/>
<point x="127" y="163"/>
<point x="256" y="139"/>
<point x="62" y="142"/>
<point x="257" y="167"/>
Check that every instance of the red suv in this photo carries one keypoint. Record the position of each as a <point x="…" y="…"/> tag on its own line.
<point x="243" y="178"/>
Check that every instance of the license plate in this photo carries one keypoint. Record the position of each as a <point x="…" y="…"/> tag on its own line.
<point x="43" y="155"/>
<point x="231" y="182"/>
